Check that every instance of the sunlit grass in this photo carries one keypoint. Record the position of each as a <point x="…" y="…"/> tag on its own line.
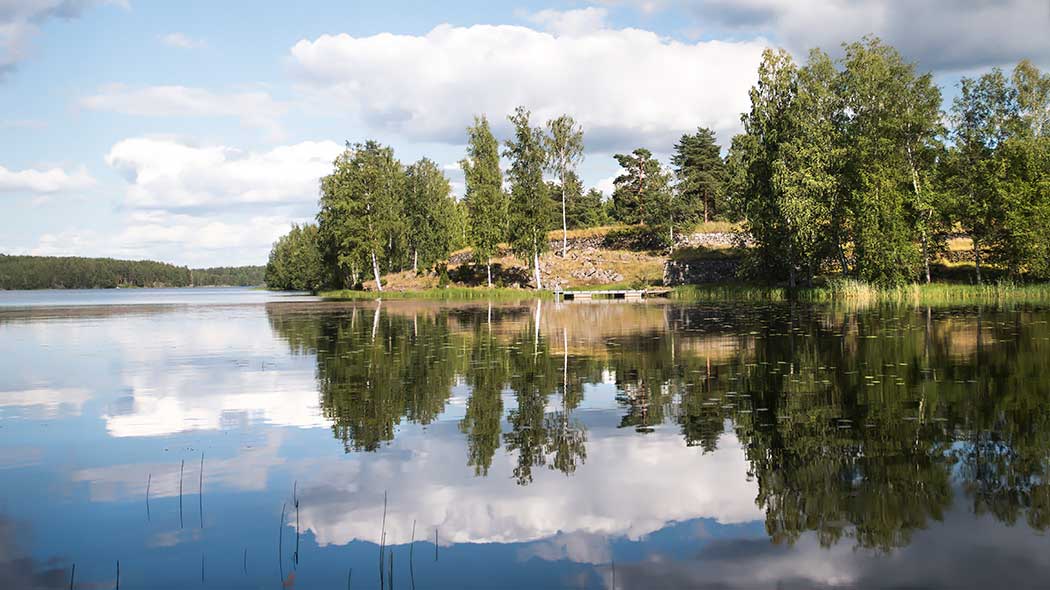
<point x="860" y="293"/>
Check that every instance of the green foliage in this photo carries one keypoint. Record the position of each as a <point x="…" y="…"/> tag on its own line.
<point x="836" y="161"/>
<point x="701" y="175"/>
<point x="588" y="209"/>
<point x="295" y="261"/>
<point x="229" y="276"/>
<point x="362" y="212"/>
<point x="73" y="272"/>
<point x="531" y="206"/>
<point x="486" y="203"/>
<point x="642" y="194"/>
<point x="564" y="147"/>
<point x="430" y="212"/>
<point x="998" y="169"/>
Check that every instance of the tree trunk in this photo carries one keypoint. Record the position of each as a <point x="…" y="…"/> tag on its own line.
<point x="705" y="208"/>
<point x="672" y="237"/>
<point x="791" y="278"/>
<point x="415" y="260"/>
<point x="375" y="270"/>
<point x="977" y="257"/>
<point x="488" y="272"/>
<point x="926" y="255"/>
<point x="536" y="269"/>
<point x="564" y="223"/>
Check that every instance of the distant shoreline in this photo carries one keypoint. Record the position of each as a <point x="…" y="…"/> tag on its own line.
<point x="29" y="273"/>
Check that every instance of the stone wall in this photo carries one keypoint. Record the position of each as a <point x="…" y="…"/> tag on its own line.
<point x="693" y="272"/>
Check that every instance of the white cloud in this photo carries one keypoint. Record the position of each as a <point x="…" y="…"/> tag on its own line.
<point x="182" y="41"/>
<point x="570" y="22"/>
<point x="52" y="180"/>
<point x="254" y="109"/>
<point x="181" y="239"/>
<point x="626" y="87"/>
<point x="948" y="35"/>
<point x="20" y="21"/>
<point x="167" y="174"/>
<point x="342" y="506"/>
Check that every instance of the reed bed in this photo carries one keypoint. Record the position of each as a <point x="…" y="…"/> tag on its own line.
<point x="859" y="293"/>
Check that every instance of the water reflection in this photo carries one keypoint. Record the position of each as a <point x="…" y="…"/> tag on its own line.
<point x="856" y="425"/>
<point x="733" y="446"/>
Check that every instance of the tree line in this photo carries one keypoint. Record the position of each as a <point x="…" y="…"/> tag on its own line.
<point x="844" y="166"/>
<point x="379" y="216"/>
<point x="70" y="272"/>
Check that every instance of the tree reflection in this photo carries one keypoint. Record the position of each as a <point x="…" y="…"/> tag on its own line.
<point x="858" y="425"/>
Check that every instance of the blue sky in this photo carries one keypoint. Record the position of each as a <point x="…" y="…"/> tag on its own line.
<point x="194" y="132"/>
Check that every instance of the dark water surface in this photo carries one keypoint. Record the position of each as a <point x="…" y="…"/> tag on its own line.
<point x="541" y="445"/>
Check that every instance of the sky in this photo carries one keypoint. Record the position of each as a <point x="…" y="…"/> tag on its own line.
<point x="195" y="132"/>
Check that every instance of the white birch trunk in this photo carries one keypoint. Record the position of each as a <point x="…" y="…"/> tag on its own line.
<point x="375" y="270"/>
<point x="536" y="269"/>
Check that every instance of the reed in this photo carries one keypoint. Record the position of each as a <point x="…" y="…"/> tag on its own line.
<point x="200" y="491"/>
<point x="72" y="575"/>
<point x="149" y="481"/>
<point x="295" y="499"/>
<point x="856" y="292"/>
<point x="729" y="292"/>
<point x="280" y="542"/>
<point x="411" y="550"/>
<point x="382" y="542"/>
<point x="182" y="467"/>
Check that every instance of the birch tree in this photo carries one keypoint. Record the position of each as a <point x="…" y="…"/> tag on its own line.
<point x="564" y="147"/>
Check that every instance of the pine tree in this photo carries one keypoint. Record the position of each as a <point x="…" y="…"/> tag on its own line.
<point x="642" y="194"/>
<point x="701" y="175"/>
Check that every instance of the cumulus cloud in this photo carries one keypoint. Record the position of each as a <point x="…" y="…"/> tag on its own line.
<point x="626" y="87"/>
<point x="570" y="22"/>
<point x="39" y="182"/>
<point x="254" y="109"/>
<point x="168" y="174"/>
<point x="179" y="238"/>
<point x="945" y="35"/>
<point x="342" y="506"/>
<point x="20" y="21"/>
<point x="182" y="41"/>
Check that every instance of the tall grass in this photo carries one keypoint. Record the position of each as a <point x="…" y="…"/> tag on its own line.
<point x="859" y="293"/>
<point x="729" y="292"/>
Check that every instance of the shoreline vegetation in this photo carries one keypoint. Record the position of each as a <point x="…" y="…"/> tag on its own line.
<point x="75" y="272"/>
<point x="851" y="180"/>
<point x="836" y="291"/>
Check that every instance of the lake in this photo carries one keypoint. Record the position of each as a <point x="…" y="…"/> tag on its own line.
<point x="228" y="438"/>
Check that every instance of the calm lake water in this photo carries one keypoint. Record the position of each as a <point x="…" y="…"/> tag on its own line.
<point x="239" y="439"/>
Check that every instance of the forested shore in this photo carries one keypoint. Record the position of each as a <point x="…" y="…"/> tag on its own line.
<point x="847" y="169"/>
<point x="71" y="272"/>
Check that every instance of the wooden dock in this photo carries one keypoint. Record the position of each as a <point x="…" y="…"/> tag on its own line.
<point x="625" y="294"/>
